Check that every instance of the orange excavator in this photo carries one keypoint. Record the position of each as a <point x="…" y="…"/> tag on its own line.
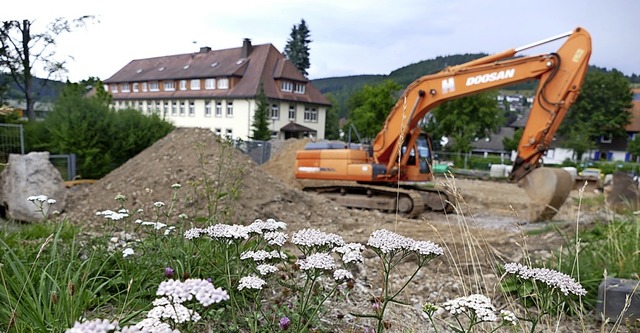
<point x="395" y="173"/>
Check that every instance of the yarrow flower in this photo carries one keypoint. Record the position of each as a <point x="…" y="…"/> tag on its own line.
<point x="275" y="238"/>
<point x="120" y="198"/>
<point x="93" y="326"/>
<point x="260" y="226"/>
<point x="40" y="198"/>
<point x="111" y="215"/>
<point x="313" y="238"/>
<point x="386" y="241"/>
<point x="176" y="186"/>
<point x="342" y="275"/>
<point x="265" y="269"/>
<point x="351" y="252"/>
<point x="158" y="204"/>
<point x="203" y="291"/>
<point x="508" y="317"/>
<point x="317" y="261"/>
<point x="551" y="278"/>
<point x="478" y="304"/>
<point x="251" y="282"/>
<point x="427" y="248"/>
<point x="127" y="252"/>
<point x="262" y="255"/>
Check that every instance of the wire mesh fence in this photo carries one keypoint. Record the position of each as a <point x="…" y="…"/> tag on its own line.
<point x="11" y="141"/>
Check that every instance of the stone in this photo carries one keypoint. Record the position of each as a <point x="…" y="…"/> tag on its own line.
<point x="30" y="175"/>
<point x="622" y="194"/>
<point x="612" y="298"/>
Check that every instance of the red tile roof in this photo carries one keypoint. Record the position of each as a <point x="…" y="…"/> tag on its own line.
<point x="264" y="63"/>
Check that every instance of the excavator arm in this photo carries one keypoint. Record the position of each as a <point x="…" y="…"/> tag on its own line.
<point x="560" y="77"/>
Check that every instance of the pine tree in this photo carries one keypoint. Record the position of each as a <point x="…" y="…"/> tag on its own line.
<point x="297" y="48"/>
<point x="261" y="117"/>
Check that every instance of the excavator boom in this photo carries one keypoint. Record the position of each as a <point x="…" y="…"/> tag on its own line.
<point x="398" y="151"/>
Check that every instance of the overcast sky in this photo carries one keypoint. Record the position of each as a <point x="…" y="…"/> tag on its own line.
<point x="349" y="37"/>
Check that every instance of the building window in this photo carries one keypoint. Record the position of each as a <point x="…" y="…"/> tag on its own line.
<point x="165" y="109"/>
<point x="606" y="138"/>
<point x="144" y="86"/>
<point x="223" y="83"/>
<point x="135" y="87"/>
<point x="299" y="88"/>
<point x="182" y="108"/>
<point x="207" y="108"/>
<point x="168" y="86"/>
<point x="219" y="109"/>
<point x="218" y="131"/>
<point x="229" y="133"/>
<point x="292" y="112"/>
<point x="192" y="108"/>
<point x="154" y="86"/>
<point x="157" y="110"/>
<point x="106" y="87"/>
<point x="114" y="88"/>
<point x="287" y="86"/>
<point x="149" y="106"/>
<point x="183" y="84"/>
<point x="125" y="87"/>
<point x="310" y="115"/>
<point x="195" y="84"/>
<point x="174" y="108"/>
<point x="140" y="106"/>
<point x="275" y="112"/>
<point x="229" y="109"/>
<point x="210" y="84"/>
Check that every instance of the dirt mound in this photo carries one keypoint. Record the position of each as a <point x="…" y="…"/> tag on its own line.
<point x="196" y="159"/>
<point x="282" y="161"/>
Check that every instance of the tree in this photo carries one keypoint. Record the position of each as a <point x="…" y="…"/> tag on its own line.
<point x="297" y="48"/>
<point x="465" y="119"/>
<point x="332" y="122"/>
<point x="370" y="107"/>
<point x="602" y="107"/>
<point x="261" y="117"/>
<point x="511" y="144"/>
<point x="633" y="147"/>
<point x="22" y="51"/>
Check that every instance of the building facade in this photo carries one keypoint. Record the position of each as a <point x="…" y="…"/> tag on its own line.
<point x="217" y="89"/>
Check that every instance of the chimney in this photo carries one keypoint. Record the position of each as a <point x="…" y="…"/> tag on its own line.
<point x="205" y="49"/>
<point x="246" y="48"/>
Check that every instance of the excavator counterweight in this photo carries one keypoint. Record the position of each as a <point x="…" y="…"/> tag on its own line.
<point x="393" y="170"/>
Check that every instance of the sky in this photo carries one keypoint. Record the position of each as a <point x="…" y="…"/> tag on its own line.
<point x="349" y="37"/>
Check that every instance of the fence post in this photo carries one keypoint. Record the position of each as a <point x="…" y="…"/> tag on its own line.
<point x="72" y="166"/>
<point x="21" y="139"/>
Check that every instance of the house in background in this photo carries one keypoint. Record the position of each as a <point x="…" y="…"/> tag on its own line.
<point x="217" y="89"/>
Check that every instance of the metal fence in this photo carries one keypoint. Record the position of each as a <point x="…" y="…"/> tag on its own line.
<point x="11" y="141"/>
<point x="259" y="151"/>
<point x="66" y="164"/>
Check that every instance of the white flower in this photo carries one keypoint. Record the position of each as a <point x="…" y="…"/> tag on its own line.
<point x="120" y="197"/>
<point x="275" y="238"/>
<point x="193" y="233"/>
<point x="169" y="229"/>
<point x="51" y="201"/>
<point x="158" y="204"/>
<point x="553" y="279"/>
<point x="351" y="252"/>
<point x="40" y="198"/>
<point x="127" y="252"/>
<point x="251" y="282"/>
<point x="176" y="186"/>
<point x="342" y="274"/>
<point x="149" y="325"/>
<point x="265" y="269"/>
<point x="262" y="255"/>
<point x="315" y="238"/>
<point x="317" y="261"/>
<point x="227" y="232"/>
<point x="156" y="225"/>
<point x="179" y="292"/>
<point x="183" y="216"/>
<point x="178" y="313"/>
<point x="508" y="317"/>
<point x="387" y="241"/>
<point x="479" y="304"/>
<point x="427" y="248"/>
<point x="109" y="214"/>
<point x="93" y="326"/>
<point x="139" y="210"/>
<point x="260" y="226"/>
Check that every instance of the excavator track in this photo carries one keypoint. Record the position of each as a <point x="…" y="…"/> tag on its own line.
<point x="410" y="202"/>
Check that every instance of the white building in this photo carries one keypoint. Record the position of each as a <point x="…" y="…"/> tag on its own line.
<point x="217" y="89"/>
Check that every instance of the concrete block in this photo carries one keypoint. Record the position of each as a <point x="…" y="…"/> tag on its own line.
<point x="612" y="297"/>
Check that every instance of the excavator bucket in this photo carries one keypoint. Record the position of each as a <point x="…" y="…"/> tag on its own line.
<point x="548" y="189"/>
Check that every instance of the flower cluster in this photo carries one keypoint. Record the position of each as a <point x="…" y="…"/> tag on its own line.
<point x="114" y="216"/>
<point x="322" y="261"/>
<point x="94" y="326"/>
<point x="342" y="275"/>
<point x="389" y="242"/>
<point x="480" y="305"/>
<point x="41" y="199"/>
<point x="276" y="238"/>
<point x="251" y="282"/>
<point x="551" y="278"/>
<point x="203" y="291"/>
<point x="262" y="255"/>
<point x="309" y="239"/>
<point x="508" y="317"/>
<point x="265" y="269"/>
<point x="351" y="252"/>
<point x="260" y="226"/>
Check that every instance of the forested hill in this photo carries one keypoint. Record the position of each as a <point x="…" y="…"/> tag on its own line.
<point x="341" y="88"/>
